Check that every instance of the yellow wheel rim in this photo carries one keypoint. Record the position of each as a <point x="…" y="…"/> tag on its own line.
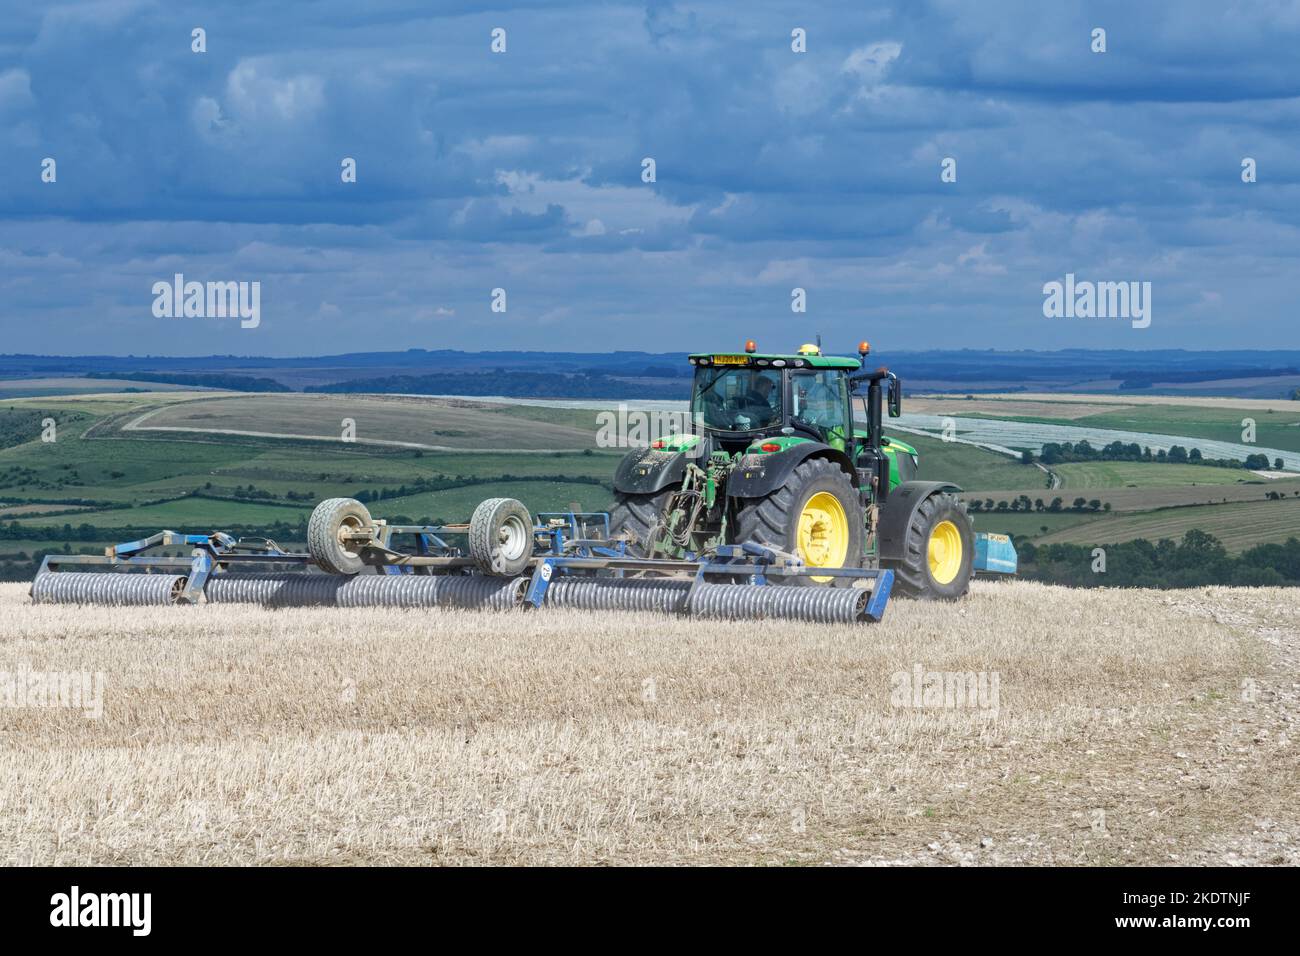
<point x="823" y="533"/>
<point x="945" y="552"/>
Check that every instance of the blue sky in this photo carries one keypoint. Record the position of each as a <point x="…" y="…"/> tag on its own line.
<point x="522" y="171"/>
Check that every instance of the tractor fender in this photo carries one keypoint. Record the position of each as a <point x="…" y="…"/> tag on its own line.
<point x="644" y="471"/>
<point x="757" y="476"/>
<point x="896" y="514"/>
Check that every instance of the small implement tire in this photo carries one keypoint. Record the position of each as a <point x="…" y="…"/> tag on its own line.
<point x="501" y="537"/>
<point x="330" y="520"/>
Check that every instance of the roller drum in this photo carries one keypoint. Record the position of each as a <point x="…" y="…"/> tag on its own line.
<point x="662" y="595"/>
<point x="367" y="590"/>
<point x="118" y="590"/>
<point x="756" y="602"/>
<point x="447" y="591"/>
<point x="283" y="590"/>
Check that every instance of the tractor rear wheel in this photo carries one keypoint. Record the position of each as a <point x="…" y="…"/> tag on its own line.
<point x="637" y="516"/>
<point x="815" y="514"/>
<point x="938" y="552"/>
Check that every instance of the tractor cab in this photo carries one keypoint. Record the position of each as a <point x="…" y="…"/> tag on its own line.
<point x="740" y="398"/>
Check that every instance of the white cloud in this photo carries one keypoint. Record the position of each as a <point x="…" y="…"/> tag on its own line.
<point x="254" y="93"/>
<point x="870" y="63"/>
<point x="611" y="207"/>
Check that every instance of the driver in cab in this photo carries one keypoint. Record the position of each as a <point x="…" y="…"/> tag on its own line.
<point x="758" y="403"/>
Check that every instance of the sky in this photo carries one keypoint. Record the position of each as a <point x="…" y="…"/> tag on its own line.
<point x="524" y="170"/>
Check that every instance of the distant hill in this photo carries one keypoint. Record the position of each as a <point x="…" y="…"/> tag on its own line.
<point x="624" y="374"/>
<point x="514" y="384"/>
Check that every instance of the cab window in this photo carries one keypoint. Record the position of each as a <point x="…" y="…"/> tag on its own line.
<point x="737" y="399"/>
<point x="822" y="399"/>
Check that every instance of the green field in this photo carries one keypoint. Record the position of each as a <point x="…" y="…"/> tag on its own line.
<point x="1024" y="525"/>
<point x="197" y="515"/>
<point x="1138" y="474"/>
<point x="1272" y="429"/>
<point x="458" y="504"/>
<point x="970" y="467"/>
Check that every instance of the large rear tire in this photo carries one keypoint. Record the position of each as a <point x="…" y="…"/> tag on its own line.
<point x="637" y="515"/>
<point x="815" y="514"/>
<point x="330" y="519"/>
<point x="938" y="552"/>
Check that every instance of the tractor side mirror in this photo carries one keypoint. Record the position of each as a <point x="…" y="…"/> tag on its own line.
<point x="895" y="397"/>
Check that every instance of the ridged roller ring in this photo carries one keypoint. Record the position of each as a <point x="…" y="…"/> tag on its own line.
<point x="753" y="601"/>
<point x="367" y="590"/>
<point x="107" y="588"/>
<point x="414" y="590"/>
<point x="664" y="596"/>
<point x="275" y="590"/>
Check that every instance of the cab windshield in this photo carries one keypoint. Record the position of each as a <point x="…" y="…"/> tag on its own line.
<point x="736" y="399"/>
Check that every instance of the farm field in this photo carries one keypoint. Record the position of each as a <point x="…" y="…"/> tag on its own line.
<point x="40" y="387"/>
<point x="458" y="504"/>
<point x="392" y="420"/>
<point x="1238" y="526"/>
<point x="1277" y="422"/>
<point x="198" y="515"/>
<point x="1149" y="498"/>
<point x="1273" y="428"/>
<point x="1120" y="474"/>
<point x="1028" y="525"/>
<point x="237" y="735"/>
<point x="1135" y="399"/>
<point x="968" y="466"/>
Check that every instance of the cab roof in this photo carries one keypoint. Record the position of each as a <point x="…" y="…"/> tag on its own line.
<point x="791" y="360"/>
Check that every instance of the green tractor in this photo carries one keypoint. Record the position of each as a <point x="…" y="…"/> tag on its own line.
<point x="775" y="456"/>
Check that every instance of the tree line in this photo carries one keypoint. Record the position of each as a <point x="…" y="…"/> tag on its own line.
<point x="233" y="383"/>
<point x="1198" y="560"/>
<point x="1064" y="452"/>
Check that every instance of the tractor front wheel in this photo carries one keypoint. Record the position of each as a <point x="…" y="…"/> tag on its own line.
<point x="938" y="552"/>
<point x="815" y="515"/>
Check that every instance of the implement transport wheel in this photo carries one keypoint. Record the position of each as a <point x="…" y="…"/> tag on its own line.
<point x="501" y="537"/>
<point x="939" y="552"/>
<point x="637" y="515"/>
<point x="330" y="521"/>
<point x="815" y="514"/>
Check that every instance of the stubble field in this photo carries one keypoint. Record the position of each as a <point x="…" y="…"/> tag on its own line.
<point x="1128" y="727"/>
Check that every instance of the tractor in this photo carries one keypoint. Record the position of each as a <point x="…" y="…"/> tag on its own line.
<point x="775" y="455"/>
